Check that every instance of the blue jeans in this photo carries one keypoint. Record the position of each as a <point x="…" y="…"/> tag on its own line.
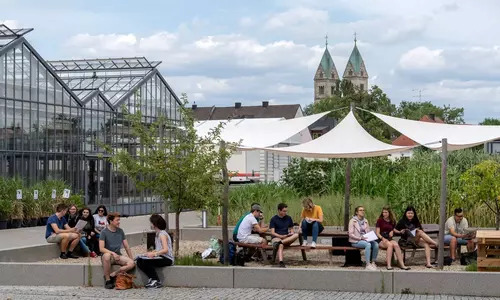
<point x="83" y="245"/>
<point x="313" y="228"/>
<point x="371" y="249"/>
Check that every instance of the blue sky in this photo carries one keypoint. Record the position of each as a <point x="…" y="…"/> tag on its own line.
<point x="220" y="52"/>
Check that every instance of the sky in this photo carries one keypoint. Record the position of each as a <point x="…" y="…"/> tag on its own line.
<point x="221" y="52"/>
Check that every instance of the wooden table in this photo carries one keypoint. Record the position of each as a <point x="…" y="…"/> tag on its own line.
<point x="487" y="255"/>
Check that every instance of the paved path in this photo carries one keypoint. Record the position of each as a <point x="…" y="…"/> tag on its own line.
<point x="32" y="236"/>
<point x="200" y="293"/>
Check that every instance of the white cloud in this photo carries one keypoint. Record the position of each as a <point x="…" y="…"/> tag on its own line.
<point x="422" y="58"/>
<point x="247" y="21"/>
<point x="161" y="41"/>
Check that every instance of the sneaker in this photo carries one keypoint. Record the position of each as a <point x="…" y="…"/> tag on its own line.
<point x="152" y="284"/>
<point x="149" y="281"/>
<point x="109" y="285"/>
<point x="374" y="266"/>
<point x="93" y="254"/>
<point x="71" y="255"/>
<point x="304" y="244"/>
<point x="63" y="256"/>
<point x="370" y="267"/>
<point x="157" y="285"/>
<point x="313" y="245"/>
<point x="282" y="265"/>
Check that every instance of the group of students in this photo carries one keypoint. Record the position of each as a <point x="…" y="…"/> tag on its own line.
<point x="250" y="227"/>
<point x="103" y="236"/>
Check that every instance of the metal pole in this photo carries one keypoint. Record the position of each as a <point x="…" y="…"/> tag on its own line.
<point x="204" y="218"/>
<point x="225" y="202"/>
<point x="442" y="205"/>
<point x="347" y="193"/>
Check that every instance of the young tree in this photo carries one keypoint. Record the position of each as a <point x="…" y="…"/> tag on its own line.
<point x="481" y="184"/>
<point x="174" y="162"/>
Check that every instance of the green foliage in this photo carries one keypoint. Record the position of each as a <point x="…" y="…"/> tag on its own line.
<point x="481" y="184"/>
<point x="472" y="267"/>
<point x="490" y="121"/>
<point x="193" y="260"/>
<point x="416" y="110"/>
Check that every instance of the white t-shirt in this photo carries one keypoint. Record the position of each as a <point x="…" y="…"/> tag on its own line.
<point x="459" y="227"/>
<point x="246" y="226"/>
<point x="100" y="222"/>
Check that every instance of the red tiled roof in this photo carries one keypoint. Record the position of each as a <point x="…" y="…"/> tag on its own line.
<point x="403" y="140"/>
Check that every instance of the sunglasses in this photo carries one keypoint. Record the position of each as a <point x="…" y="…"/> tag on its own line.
<point x="100" y="210"/>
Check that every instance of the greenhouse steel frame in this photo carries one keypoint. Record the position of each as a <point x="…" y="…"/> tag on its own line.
<point x="59" y="116"/>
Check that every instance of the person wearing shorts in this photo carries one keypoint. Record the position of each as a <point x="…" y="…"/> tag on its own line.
<point x="58" y="231"/>
<point x="282" y="231"/>
<point x="110" y="242"/>
<point x="250" y="223"/>
<point x="454" y="233"/>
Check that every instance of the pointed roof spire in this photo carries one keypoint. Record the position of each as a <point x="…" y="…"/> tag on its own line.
<point x="355" y="59"/>
<point x="355" y="38"/>
<point x="326" y="40"/>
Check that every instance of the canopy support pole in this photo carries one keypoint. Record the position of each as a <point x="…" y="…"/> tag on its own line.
<point x="442" y="205"/>
<point x="225" y="203"/>
<point x="347" y="193"/>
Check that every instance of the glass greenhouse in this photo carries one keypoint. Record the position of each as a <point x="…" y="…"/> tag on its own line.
<point x="55" y="117"/>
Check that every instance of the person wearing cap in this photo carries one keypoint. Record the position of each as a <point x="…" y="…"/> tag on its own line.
<point x="250" y="223"/>
<point x="237" y="226"/>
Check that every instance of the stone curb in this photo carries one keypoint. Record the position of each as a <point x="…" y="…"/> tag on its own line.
<point x="449" y="283"/>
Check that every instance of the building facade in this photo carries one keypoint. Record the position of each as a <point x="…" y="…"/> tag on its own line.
<point x="57" y="117"/>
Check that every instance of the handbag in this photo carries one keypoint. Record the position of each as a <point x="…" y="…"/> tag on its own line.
<point x="124" y="281"/>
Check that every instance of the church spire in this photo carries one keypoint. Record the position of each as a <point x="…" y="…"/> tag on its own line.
<point x="325" y="79"/>
<point x="355" y="70"/>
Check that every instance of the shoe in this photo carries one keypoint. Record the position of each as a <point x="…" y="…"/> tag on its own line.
<point x="304" y="244"/>
<point x="149" y="281"/>
<point x="109" y="284"/>
<point x="374" y="265"/>
<point x="158" y="285"/>
<point x="71" y="255"/>
<point x="368" y="267"/>
<point x="313" y="245"/>
<point x="93" y="254"/>
<point x="282" y="265"/>
<point x="153" y="284"/>
<point x="406" y="268"/>
<point x="63" y="256"/>
<point x="389" y="268"/>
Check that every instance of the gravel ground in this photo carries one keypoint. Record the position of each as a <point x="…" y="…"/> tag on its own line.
<point x="44" y="293"/>
<point x="293" y="259"/>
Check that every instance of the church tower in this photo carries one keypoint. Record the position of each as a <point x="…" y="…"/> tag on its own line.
<point x="355" y="71"/>
<point x="325" y="79"/>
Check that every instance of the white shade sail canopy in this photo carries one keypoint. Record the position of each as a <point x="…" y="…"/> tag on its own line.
<point x="430" y="134"/>
<point x="259" y="133"/>
<point x="346" y="140"/>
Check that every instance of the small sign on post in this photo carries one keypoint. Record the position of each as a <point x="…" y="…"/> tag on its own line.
<point x="35" y="194"/>
<point x="66" y="193"/>
<point x="19" y="195"/>
<point x="54" y="194"/>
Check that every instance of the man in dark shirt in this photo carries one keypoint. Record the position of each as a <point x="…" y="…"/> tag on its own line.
<point x="282" y="231"/>
<point x="58" y="231"/>
<point x="110" y="243"/>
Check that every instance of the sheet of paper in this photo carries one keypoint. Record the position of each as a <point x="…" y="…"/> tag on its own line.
<point x="80" y="224"/>
<point x="370" y="236"/>
<point x="414" y="232"/>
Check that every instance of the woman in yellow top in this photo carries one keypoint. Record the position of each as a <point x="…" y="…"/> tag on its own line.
<point x="312" y="217"/>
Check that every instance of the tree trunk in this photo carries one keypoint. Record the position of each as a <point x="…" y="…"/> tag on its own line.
<point x="225" y="205"/>
<point x="177" y="233"/>
<point x="498" y="221"/>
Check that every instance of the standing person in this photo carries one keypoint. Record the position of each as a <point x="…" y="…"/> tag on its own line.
<point x="100" y="219"/>
<point x="161" y="256"/>
<point x="72" y="216"/>
<point x="282" y="231"/>
<point x="110" y="241"/>
<point x="358" y="226"/>
<point x="58" y="231"/>
<point x="385" y="229"/>
<point x="312" y="219"/>
<point x="89" y="236"/>
<point x="249" y="224"/>
<point x="454" y="233"/>
<point x="410" y="224"/>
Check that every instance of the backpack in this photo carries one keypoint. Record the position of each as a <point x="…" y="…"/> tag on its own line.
<point x="468" y="258"/>
<point x="235" y="258"/>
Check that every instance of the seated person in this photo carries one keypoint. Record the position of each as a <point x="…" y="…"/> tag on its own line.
<point x="282" y="231"/>
<point x="312" y="217"/>
<point x="385" y="229"/>
<point x="249" y="224"/>
<point x="110" y="242"/>
<point x="100" y="219"/>
<point x="58" y="231"/>
<point x="237" y="226"/>
<point x="358" y="227"/>
<point x="454" y="233"/>
<point x="409" y="223"/>
<point x="89" y="236"/>
<point x="72" y="216"/>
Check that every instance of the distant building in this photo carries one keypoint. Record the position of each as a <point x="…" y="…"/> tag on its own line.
<point x="256" y="165"/>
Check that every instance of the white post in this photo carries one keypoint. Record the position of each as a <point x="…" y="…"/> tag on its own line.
<point x="204" y="218"/>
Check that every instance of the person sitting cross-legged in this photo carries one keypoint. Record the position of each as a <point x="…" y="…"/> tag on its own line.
<point x="249" y="224"/>
<point x="312" y="219"/>
<point x="110" y="242"/>
<point x="454" y="233"/>
<point x="282" y="231"/>
<point x="58" y="231"/>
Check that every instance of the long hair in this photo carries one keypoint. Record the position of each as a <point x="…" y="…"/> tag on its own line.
<point x="392" y="218"/>
<point x="415" y="221"/>
<point x="90" y="214"/>
<point x="99" y="207"/>
<point x="307" y="203"/>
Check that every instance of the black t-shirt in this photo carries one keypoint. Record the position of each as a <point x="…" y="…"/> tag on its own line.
<point x="281" y="225"/>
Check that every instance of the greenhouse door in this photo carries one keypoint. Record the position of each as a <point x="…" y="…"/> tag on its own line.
<point x="98" y="181"/>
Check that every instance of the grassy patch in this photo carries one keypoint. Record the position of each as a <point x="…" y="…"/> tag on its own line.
<point x="471" y="268"/>
<point x="191" y="260"/>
